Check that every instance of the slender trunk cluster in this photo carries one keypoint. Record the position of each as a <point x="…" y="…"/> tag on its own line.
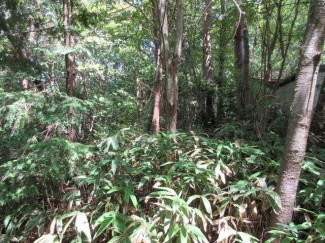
<point x="301" y="112"/>
<point x="170" y="65"/>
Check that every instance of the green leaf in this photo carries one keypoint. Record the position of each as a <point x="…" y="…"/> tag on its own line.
<point x="143" y="181"/>
<point x="175" y="204"/>
<point x="32" y="222"/>
<point x="115" y="189"/>
<point x="197" y="232"/>
<point x="207" y="205"/>
<point x="134" y="201"/>
<point x="287" y="240"/>
<point x="191" y="198"/>
<point x="82" y="225"/>
<point x="114" y="166"/>
<point x="103" y="226"/>
<point x="172" y="232"/>
<point x="119" y="238"/>
<point x="184" y="237"/>
<point x="246" y="238"/>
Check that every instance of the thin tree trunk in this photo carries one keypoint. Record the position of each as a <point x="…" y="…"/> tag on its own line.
<point x="221" y="71"/>
<point x="209" y="120"/>
<point x="171" y="65"/>
<point x="301" y="112"/>
<point x="155" y="123"/>
<point x="69" y="42"/>
<point x="138" y="104"/>
<point x="69" y="61"/>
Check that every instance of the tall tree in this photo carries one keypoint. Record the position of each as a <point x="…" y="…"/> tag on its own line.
<point x="70" y="60"/>
<point x="221" y="61"/>
<point x="155" y="124"/>
<point x="241" y="52"/>
<point x="209" y="119"/>
<point x="301" y="112"/>
<point x="170" y="65"/>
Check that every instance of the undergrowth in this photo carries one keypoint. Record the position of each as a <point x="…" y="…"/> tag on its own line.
<point x="133" y="187"/>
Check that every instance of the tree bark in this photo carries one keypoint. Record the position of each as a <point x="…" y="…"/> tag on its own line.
<point x="70" y="60"/>
<point x="241" y="52"/>
<point x="68" y="15"/>
<point x="155" y="123"/>
<point x="209" y="120"/>
<point x="171" y="65"/>
<point x="138" y="104"/>
<point x="221" y="67"/>
<point x="301" y="112"/>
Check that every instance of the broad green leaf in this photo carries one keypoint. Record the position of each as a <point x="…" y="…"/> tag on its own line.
<point x="82" y="225"/>
<point x="174" y="230"/>
<point x="134" y="201"/>
<point x="207" y="205"/>
<point x="246" y="238"/>
<point x="119" y="238"/>
<point x="115" y="189"/>
<point x="114" y="166"/>
<point x="287" y="240"/>
<point x="183" y="234"/>
<point x="32" y="222"/>
<point x="143" y="181"/>
<point x="197" y="232"/>
<point x="103" y="226"/>
<point x="175" y="204"/>
<point x="191" y="198"/>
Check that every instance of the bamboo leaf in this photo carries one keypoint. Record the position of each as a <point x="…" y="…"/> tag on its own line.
<point x="207" y="205"/>
<point x="82" y="225"/>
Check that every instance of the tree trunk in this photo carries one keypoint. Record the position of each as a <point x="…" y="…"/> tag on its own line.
<point x="69" y="61"/>
<point x="301" y="112"/>
<point x="209" y="120"/>
<point x="138" y="104"/>
<point x="171" y="65"/>
<point x="155" y="123"/>
<point x="221" y="68"/>
<point x="241" y="52"/>
<point x="69" y="42"/>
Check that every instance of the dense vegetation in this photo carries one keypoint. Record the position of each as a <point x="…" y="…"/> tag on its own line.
<point x="78" y="160"/>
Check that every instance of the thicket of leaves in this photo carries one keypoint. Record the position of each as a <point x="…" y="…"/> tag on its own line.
<point x="133" y="187"/>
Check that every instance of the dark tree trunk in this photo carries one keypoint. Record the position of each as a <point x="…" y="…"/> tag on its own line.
<point x="221" y="71"/>
<point x="209" y="120"/>
<point x="241" y="52"/>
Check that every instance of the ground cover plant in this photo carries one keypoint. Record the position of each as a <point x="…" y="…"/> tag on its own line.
<point x="136" y="187"/>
